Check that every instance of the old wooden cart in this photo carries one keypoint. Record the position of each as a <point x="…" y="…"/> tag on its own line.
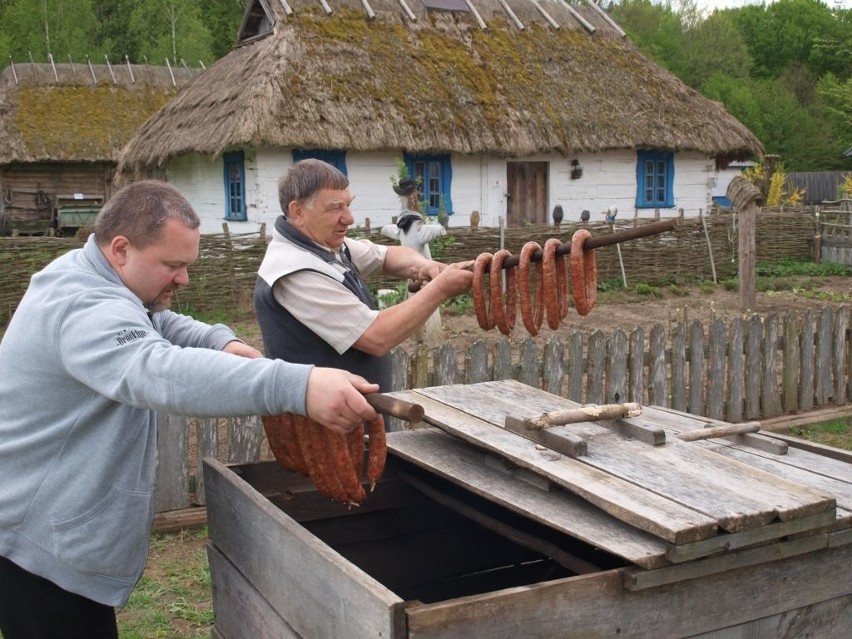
<point x="640" y="527"/>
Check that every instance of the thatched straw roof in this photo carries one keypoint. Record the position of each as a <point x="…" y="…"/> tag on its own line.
<point x="77" y="112"/>
<point x="440" y="83"/>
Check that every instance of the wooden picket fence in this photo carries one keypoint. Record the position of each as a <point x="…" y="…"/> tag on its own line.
<point x="750" y="368"/>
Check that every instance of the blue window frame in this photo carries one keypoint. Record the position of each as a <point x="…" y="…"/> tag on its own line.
<point x="337" y="159"/>
<point x="235" y="186"/>
<point x="654" y="178"/>
<point x="434" y="173"/>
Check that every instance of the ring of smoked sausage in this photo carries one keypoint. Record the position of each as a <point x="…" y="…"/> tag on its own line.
<point x="555" y="283"/>
<point x="481" y="299"/>
<point x="532" y="309"/>
<point x="584" y="274"/>
<point x="503" y="308"/>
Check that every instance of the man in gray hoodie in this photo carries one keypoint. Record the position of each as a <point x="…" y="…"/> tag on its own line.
<point x="90" y="356"/>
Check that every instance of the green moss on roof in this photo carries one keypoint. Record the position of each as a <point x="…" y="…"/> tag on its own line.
<point x="83" y="122"/>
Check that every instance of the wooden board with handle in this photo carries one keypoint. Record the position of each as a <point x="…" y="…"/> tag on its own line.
<point x="671" y="491"/>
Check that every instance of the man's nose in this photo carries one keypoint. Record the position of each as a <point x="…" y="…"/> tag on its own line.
<point x="182" y="277"/>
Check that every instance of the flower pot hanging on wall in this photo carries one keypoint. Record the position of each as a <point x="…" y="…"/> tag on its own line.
<point x="406" y="186"/>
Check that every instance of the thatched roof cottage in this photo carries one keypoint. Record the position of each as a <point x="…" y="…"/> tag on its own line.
<point x="506" y="107"/>
<point x="62" y="128"/>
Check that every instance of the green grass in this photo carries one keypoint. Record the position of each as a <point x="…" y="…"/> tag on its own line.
<point x="173" y="598"/>
<point x="837" y="433"/>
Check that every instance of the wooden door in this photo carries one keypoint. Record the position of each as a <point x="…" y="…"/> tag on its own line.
<point x="526" y="193"/>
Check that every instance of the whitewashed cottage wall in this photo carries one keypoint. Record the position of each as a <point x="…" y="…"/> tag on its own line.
<point x="478" y="184"/>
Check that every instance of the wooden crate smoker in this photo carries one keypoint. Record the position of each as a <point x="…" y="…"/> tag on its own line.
<point x="637" y="526"/>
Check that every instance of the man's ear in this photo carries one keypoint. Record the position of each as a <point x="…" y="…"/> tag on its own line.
<point x="294" y="211"/>
<point x="117" y="250"/>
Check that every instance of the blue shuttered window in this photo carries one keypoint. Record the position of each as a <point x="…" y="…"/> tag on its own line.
<point x="434" y="174"/>
<point x="337" y="159"/>
<point x="235" y="186"/>
<point x="654" y="178"/>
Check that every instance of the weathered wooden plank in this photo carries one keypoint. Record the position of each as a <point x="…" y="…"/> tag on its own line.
<point x="636" y="366"/>
<point x="659" y="392"/>
<point x="806" y="392"/>
<point x="171" y="485"/>
<point x="839" y="355"/>
<point x="478" y="370"/>
<point x="717" y="345"/>
<point x="678" y="367"/>
<point x="736" y="371"/>
<point x="738" y="497"/>
<point x="240" y="609"/>
<point x="641" y="508"/>
<point x="791" y="363"/>
<point x="753" y="366"/>
<point x="595" y="368"/>
<point x="445" y="365"/>
<point x="529" y="363"/>
<point x="399" y="381"/>
<point x="696" y="368"/>
<point x="771" y="403"/>
<point x="829" y="476"/>
<point x="820" y="449"/>
<point x="575" y="366"/>
<point x="207" y="432"/>
<point x="245" y="435"/>
<point x="637" y="579"/>
<point x="553" y="368"/>
<point x="616" y="374"/>
<point x="504" y="484"/>
<point x="503" y="368"/>
<point x="242" y="523"/>
<point x="597" y="606"/>
<point x="826" y="619"/>
<point x="755" y="536"/>
<point x="824" y="387"/>
<point x="420" y="367"/>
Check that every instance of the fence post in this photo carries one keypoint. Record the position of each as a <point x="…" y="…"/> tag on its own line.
<point x="745" y="199"/>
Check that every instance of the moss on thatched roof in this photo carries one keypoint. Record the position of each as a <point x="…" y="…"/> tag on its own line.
<point x="74" y="112"/>
<point x="441" y="83"/>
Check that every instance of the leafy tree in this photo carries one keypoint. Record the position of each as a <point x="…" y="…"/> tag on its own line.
<point x="836" y="100"/>
<point x="61" y="28"/>
<point x="715" y="46"/>
<point x="656" y="29"/>
<point x="740" y="100"/>
<point x="785" y="32"/>
<point x="173" y="30"/>
<point x="114" y="34"/>
<point x="223" y="19"/>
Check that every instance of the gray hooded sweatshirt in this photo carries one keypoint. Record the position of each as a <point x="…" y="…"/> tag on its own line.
<point x="83" y="370"/>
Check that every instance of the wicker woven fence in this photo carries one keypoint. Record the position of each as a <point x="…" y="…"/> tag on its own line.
<point x="224" y="276"/>
<point x="746" y="369"/>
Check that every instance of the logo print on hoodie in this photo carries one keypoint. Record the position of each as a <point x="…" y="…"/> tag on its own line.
<point x="127" y="335"/>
